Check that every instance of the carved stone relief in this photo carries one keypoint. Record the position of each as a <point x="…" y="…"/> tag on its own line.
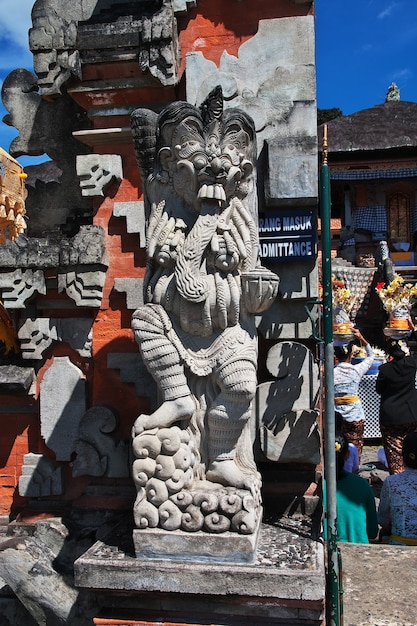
<point x="159" y="45"/>
<point x="20" y="285"/>
<point x="97" y="171"/>
<point x="98" y="452"/>
<point x="85" y="288"/>
<point x="52" y="40"/>
<point x="41" y="477"/>
<point x="37" y="335"/>
<point x="46" y="127"/>
<point x="194" y="464"/>
<point x="63" y="35"/>
<point x="85" y="251"/>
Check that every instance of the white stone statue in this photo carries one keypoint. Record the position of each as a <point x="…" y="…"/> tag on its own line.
<point x="196" y="332"/>
<point x="393" y="93"/>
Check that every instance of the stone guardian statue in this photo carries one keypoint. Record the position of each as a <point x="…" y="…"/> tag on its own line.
<point x="194" y="466"/>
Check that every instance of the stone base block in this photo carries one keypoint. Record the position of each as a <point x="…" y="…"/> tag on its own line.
<point x="229" y="547"/>
<point x="284" y="585"/>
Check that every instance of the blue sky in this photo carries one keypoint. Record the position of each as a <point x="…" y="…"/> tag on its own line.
<point x="15" y="22"/>
<point x="362" y="46"/>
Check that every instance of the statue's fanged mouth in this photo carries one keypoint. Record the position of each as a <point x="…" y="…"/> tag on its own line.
<point x="212" y="192"/>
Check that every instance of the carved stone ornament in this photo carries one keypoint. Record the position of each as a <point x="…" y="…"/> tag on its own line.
<point x="66" y="35"/>
<point x="98" y="452"/>
<point x="52" y="40"/>
<point x="194" y="466"/>
<point x="97" y="171"/>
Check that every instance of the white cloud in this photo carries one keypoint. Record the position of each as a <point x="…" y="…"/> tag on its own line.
<point x="366" y="47"/>
<point x="15" y="21"/>
<point x="402" y="76"/>
<point x="388" y="10"/>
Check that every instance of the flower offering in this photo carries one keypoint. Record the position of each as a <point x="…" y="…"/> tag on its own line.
<point x="343" y="303"/>
<point x="397" y="299"/>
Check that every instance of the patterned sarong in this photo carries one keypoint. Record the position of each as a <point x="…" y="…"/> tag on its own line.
<point x="353" y="431"/>
<point x="392" y="440"/>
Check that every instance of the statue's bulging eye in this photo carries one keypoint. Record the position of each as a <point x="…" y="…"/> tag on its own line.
<point x="232" y="153"/>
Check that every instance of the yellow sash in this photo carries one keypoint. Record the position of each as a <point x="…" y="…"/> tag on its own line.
<point x="346" y="400"/>
<point x="405" y="540"/>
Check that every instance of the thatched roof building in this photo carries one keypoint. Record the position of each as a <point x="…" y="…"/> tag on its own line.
<point x="386" y="126"/>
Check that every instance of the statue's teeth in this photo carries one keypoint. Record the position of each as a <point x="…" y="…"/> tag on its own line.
<point x="212" y="192"/>
<point x="219" y="193"/>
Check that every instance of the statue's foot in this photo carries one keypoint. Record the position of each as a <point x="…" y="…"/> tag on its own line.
<point x="169" y="412"/>
<point x="227" y="473"/>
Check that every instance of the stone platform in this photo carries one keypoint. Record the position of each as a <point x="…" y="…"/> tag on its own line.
<point x="228" y="547"/>
<point x="285" y="584"/>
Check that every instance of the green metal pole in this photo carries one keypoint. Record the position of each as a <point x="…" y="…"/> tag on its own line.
<point x="329" y="417"/>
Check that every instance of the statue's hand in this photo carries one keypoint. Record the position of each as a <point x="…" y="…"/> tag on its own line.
<point x="259" y="289"/>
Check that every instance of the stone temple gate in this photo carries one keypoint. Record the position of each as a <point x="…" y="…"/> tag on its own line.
<point x="161" y="408"/>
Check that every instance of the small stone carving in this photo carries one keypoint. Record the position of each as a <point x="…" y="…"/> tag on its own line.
<point x="196" y="331"/>
<point x="97" y="171"/>
<point x="52" y="40"/>
<point x="36" y="335"/>
<point x="159" y="44"/>
<point x="393" y="93"/>
<point x="98" y="452"/>
<point x="85" y="288"/>
<point x="40" y="477"/>
<point x="18" y="286"/>
<point x="386" y="264"/>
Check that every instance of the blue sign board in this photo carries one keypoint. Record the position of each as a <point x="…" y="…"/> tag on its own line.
<point x="288" y="235"/>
